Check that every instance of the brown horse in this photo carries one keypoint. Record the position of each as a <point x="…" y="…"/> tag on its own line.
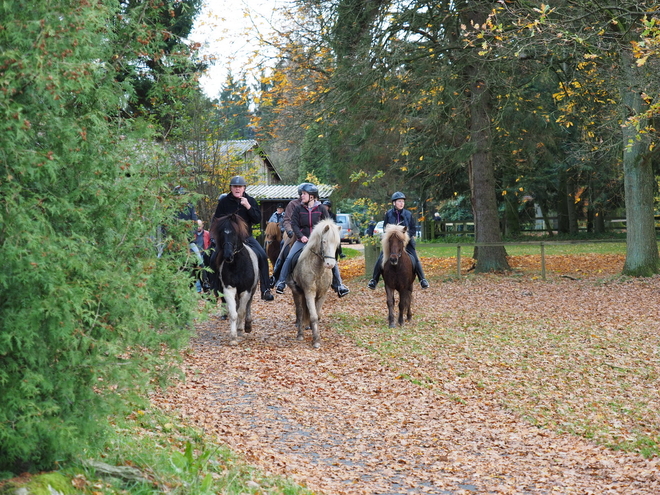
<point x="272" y="240"/>
<point x="398" y="272"/>
<point x="312" y="276"/>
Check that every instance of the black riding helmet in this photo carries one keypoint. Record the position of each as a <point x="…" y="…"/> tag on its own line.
<point x="310" y="189"/>
<point x="303" y="184"/>
<point x="398" y="195"/>
<point x="237" y="180"/>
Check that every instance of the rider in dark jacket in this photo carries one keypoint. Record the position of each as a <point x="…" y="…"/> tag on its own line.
<point x="398" y="215"/>
<point x="305" y="215"/>
<point x="246" y="207"/>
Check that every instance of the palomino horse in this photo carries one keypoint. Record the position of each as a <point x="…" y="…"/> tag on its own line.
<point x="398" y="272"/>
<point x="312" y="276"/>
<point x="272" y="240"/>
<point x="236" y="270"/>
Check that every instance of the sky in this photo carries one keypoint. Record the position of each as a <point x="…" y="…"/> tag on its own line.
<point x="228" y="30"/>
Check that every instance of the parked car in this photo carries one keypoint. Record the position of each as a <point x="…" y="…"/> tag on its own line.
<point x="350" y="231"/>
<point x="378" y="229"/>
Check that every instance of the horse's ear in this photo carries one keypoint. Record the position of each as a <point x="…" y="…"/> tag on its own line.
<point x="327" y="227"/>
<point x="405" y="229"/>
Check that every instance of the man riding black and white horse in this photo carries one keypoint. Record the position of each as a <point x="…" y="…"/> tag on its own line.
<point x="246" y="207"/>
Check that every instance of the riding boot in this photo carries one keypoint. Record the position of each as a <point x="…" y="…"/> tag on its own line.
<point x="378" y="270"/>
<point x="419" y="271"/>
<point x="276" y="271"/>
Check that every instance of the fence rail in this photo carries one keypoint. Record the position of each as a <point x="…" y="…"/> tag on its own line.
<point x="541" y="244"/>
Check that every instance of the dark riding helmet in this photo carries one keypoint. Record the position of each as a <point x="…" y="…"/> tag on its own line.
<point x="398" y="195"/>
<point x="327" y="203"/>
<point x="303" y="184"/>
<point x="237" y="180"/>
<point x="222" y="196"/>
<point x="310" y="189"/>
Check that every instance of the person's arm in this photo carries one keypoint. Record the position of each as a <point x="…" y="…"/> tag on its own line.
<point x="295" y="224"/>
<point x="288" y="213"/>
<point x="254" y="212"/>
<point x="412" y="229"/>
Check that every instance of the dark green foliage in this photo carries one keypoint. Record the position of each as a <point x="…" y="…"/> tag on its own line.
<point x="87" y="313"/>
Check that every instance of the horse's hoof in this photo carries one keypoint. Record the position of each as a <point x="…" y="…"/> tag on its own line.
<point x="316" y="345"/>
<point x="233" y="342"/>
<point x="300" y="337"/>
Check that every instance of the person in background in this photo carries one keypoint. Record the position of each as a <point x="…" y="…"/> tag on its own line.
<point x="371" y="227"/>
<point x="398" y="215"/>
<point x="239" y="202"/>
<point x="201" y="243"/>
<point x="278" y="216"/>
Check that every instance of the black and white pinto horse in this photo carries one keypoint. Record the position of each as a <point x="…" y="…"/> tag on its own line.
<point x="235" y="272"/>
<point x="312" y="276"/>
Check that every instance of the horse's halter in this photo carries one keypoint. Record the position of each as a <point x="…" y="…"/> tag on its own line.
<point x="231" y="244"/>
<point x="321" y="254"/>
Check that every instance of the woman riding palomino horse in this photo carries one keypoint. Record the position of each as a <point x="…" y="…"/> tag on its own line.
<point x="398" y="215"/>
<point x="303" y="219"/>
<point x="246" y="207"/>
<point x="312" y="277"/>
<point x="289" y="239"/>
<point x="398" y="273"/>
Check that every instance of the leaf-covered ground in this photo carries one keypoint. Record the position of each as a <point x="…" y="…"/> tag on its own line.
<point x="483" y="392"/>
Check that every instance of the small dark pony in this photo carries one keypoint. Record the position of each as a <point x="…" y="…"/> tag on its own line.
<point x="312" y="276"/>
<point x="235" y="272"/>
<point x="398" y="271"/>
<point x="272" y="241"/>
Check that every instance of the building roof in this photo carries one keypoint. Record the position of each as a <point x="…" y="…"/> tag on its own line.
<point x="238" y="148"/>
<point x="284" y="192"/>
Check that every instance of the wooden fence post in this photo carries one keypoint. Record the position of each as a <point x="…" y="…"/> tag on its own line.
<point x="458" y="261"/>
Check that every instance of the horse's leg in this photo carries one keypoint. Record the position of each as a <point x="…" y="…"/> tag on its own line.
<point x="299" y="302"/>
<point x="248" y="312"/>
<point x="241" y="312"/>
<point x="310" y="299"/>
<point x="389" y="291"/>
<point x="403" y="304"/>
<point x="230" y="301"/>
<point x="409" y="295"/>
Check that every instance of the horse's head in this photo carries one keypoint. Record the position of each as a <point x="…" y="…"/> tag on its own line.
<point x="229" y="232"/>
<point x="394" y="242"/>
<point x="272" y="233"/>
<point x="324" y="241"/>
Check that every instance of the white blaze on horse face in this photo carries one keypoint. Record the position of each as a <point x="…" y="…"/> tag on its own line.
<point x="328" y="262"/>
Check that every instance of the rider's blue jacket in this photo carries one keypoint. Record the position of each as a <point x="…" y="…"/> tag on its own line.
<point x="401" y="217"/>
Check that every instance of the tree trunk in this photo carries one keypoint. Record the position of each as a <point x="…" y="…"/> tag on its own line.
<point x="642" y="258"/>
<point x="482" y="184"/>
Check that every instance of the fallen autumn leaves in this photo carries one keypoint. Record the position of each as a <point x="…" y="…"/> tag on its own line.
<point x="449" y="403"/>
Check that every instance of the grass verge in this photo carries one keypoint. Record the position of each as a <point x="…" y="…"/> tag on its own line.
<point x="152" y="453"/>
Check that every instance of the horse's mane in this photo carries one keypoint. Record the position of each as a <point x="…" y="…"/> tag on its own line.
<point x="317" y="234"/>
<point x="393" y="230"/>
<point x="234" y="222"/>
<point x="273" y="228"/>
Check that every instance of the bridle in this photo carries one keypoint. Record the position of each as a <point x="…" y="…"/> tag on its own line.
<point x="321" y="254"/>
<point x="232" y="245"/>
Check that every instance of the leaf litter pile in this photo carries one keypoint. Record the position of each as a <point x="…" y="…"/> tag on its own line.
<point x="499" y="384"/>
